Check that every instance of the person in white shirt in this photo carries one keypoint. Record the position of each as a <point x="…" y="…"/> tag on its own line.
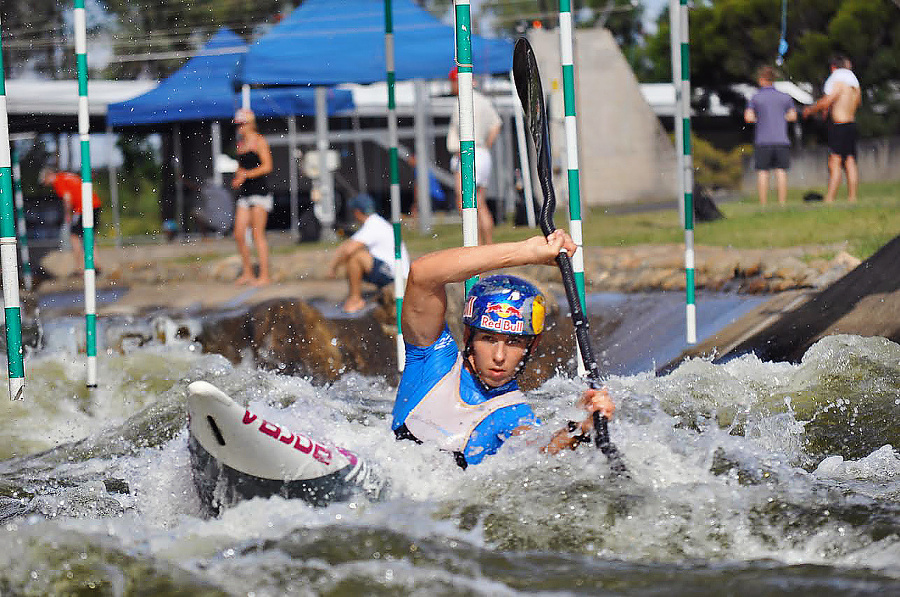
<point x="839" y="103"/>
<point x="368" y="254"/>
<point x="487" y="126"/>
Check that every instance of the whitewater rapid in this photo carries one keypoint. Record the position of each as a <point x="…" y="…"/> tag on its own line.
<point x="746" y="478"/>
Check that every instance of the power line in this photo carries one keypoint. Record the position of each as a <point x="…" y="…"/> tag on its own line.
<point x="186" y="34"/>
<point x="176" y="54"/>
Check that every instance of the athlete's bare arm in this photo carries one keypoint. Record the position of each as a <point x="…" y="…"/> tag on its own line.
<point x="822" y="105"/>
<point x="425" y="300"/>
<point x="840" y="103"/>
<point x="591" y="400"/>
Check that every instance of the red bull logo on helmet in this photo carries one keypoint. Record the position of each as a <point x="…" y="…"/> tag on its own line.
<point x="504" y="310"/>
<point x="504" y="326"/>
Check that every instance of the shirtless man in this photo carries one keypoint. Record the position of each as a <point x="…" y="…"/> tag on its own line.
<point x="840" y="102"/>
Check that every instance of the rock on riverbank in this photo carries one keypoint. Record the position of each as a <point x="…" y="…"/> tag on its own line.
<point x="612" y="269"/>
<point x="280" y="328"/>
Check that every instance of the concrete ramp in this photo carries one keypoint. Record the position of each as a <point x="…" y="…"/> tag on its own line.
<point x="625" y="155"/>
<point x="865" y="302"/>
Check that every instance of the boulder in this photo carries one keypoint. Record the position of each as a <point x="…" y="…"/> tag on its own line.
<point x="293" y="337"/>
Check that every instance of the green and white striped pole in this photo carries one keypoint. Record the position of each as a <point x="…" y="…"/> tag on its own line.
<point x="87" y="196"/>
<point x="566" y="53"/>
<point x="681" y="78"/>
<point x="21" y="230"/>
<point x="466" y="127"/>
<point x="8" y="258"/>
<point x="393" y="139"/>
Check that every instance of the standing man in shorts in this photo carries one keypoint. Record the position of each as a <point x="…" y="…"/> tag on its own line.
<point x="67" y="187"/>
<point x="368" y="254"/>
<point x="771" y="111"/>
<point x="840" y="102"/>
<point x="487" y="127"/>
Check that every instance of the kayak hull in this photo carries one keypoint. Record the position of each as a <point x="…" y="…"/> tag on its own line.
<point x="236" y="455"/>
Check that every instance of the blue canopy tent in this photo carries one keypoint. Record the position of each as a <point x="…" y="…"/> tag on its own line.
<point x="204" y="89"/>
<point x="329" y="42"/>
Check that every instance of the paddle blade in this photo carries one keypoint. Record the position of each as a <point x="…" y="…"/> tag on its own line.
<point x="528" y="87"/>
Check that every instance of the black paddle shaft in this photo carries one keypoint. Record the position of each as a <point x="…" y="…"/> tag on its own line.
<point x="528" y="86"/>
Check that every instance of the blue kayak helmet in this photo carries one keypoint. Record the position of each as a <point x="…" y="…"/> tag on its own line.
<point x="506" y="305"/>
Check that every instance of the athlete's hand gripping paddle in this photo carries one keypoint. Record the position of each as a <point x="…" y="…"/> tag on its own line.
<point x="528" y="86"/>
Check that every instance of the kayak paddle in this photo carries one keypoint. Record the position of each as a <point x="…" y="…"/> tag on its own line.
<point x="528" y="86"/>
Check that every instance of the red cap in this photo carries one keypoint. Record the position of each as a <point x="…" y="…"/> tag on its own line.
<point x="453" y="75"/>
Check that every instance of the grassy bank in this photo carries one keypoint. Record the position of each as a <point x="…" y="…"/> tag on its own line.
<point x="861" y="228"/>
<point x="864" y="226"/>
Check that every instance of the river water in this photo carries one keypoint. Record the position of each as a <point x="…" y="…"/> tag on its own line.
<point x="747" y="478"/>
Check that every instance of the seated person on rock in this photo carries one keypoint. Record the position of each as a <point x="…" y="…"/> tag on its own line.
<point x="468" y="402"/>
<point x="368" y="254"/>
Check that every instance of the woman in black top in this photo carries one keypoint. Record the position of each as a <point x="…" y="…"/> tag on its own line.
<point x="254" y="197"/>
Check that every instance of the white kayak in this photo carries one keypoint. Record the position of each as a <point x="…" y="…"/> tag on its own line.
<point x="236" y="455"/>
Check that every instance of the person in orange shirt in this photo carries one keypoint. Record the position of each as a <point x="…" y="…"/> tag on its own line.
<point x="67" y="187"/>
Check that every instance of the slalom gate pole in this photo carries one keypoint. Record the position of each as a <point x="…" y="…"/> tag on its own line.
<point x="681" y="78"/>
<point x="21" y="230"/>
<point x="422" y="121"/>
<point x="466" y="126"/>
<point x="393" y="139"/>
<point x="566" y="53"/>
<point x="8" y="259"/>
<point x="112" y="171"/>
<point x="87" y="196"/>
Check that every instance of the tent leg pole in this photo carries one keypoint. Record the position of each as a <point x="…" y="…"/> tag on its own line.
<point x="179" y="187"/>
<point x="327" y="211"/>
<point x="423" y="157"/>
<point x="114" y="191"/>
<point x="292" y="175"/>
<point x="509" y="177"/>
<point x="361" y="181"/>
<point x="216" y="139"/>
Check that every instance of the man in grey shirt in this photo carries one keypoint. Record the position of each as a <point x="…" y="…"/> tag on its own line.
<point x="771" y="110"/>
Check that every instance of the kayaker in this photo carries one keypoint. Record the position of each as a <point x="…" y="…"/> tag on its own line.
<point x="468" y="402"/>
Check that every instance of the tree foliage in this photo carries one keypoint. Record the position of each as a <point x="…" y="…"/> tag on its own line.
<point x="730" y="39"/>
<point x="32" y="34"/>
<point x="162" y="27"/>
<point x="38" y="34"/>
<point x="623" y="18"/>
